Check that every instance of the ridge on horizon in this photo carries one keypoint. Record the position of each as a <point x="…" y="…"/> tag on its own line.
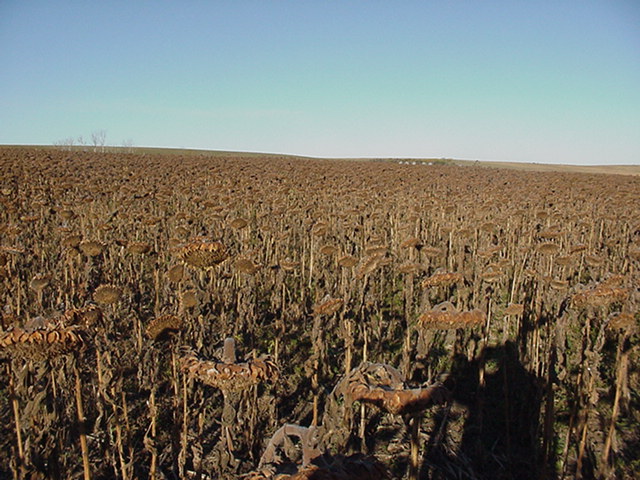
<point x="620" y="169"/>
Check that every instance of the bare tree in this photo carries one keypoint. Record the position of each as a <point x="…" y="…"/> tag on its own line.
<point x="128" y="145"/>
<point x="98" y="139"/>
<point x="65" y="143"/>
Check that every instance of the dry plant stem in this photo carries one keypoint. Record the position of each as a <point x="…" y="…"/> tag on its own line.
<point x="549" y="414"/>
<point x="482" y="367"/>
<point x="138" y="328"/>
<point x="580" y="394"/>
<point x="583" y="437"/>
<point x="18" y="300"/>
<point x="156" y="289"/>
<point x="348" y="356"/>
<point x="153" y="413"/>
<point x="176" y="428"/>
<point x="99" y="372"/>
<point x="53" y="384"/>
<point x="363" y="423"/>
<point x="16" y="418"/>
<point x="314" y="387"/>
<point x="408" y="311"/>
<point x="81" y="422"/>
<point x="363" y="408"/>
<point x="414" y="464"/>
<point x="174" y="378"/>
<point x="119" y="440"/>
<point x="318" y="348"/>
<point x="572" y="420"/>
<point x="185" y="427"/>
<point x="622" y="362"/>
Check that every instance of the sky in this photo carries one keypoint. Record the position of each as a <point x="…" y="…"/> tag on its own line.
<point x="547" y="81"/>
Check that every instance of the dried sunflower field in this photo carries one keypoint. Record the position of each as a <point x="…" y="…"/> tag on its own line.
<point x="198" y="315"/>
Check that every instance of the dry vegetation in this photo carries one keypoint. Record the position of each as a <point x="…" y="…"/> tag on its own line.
<point x="190" y="316"/>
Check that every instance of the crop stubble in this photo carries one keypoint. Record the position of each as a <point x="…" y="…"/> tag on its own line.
<point x="521" y="287"/>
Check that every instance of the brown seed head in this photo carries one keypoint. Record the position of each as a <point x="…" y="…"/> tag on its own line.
<point x="559" y="284"/>
<point x="189" y="299"/>
<point x="370" y="264"/>
<point x="246" y="266"/>
<point x="85" y="316"/>
<point x="289" y="266"/>
<point x="514" y="309"/>
<point x="492" y="274"/>
<point x="446" y="317"/>
<point x="107" y="294"/>
<point x="440" y="278"/>
<point x="625" y="322"/>
<point x="601" y="295"/>
<point x="40" y="282"/>
<point x="238" y="223"/>
<point x="328" y="250"/>
<point x="411" y="242"/>
<point x="139" y="248"/>
<point x="176" y="273"/>
<point x="44" y="343"/>
<point x="203" y="254"/>
<point x="229" y="376"/>
<point x="593" y="261"/>
<point x="347" y="261"/>
<point x="327" y="306"/>
<point x="548" y="248"/>
<point x="72" y="241"/>
<point x="91" y="248"/>
<point x="161" y="327"/>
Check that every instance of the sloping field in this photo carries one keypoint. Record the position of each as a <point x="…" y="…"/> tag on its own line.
<point x="207" y="315"/>
<point x="531" y="167"/>
<point x="542" y="167"/>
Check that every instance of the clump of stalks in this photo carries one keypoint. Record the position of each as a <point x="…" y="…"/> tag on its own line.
<point x="624" y="326"/>
<point x="602" y="295"/>
<point x="323" y="310"/>
<point x="382" y="386"/>
<point x="234" y="379"/>
<point x="44" y="344"/>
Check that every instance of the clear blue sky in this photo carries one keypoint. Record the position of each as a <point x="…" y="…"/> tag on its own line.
<point x="539" y="81"/>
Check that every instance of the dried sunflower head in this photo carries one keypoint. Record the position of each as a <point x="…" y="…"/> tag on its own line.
<point x="72" y="241"/>
<point x="176" y="273"/>
<point x="161" y="327"/>
<point x="445" y="316"/>
<point x="139" y="248"/>
<point x="42" y="343"/>
<point x="84" y="316"/>
<point x="107" y="294"/>
<point x="238" y="223"/>
<point x="442" y="278"/>
<point x="91" y="248"/>
<point x="328" y="306"/>
<point x="203" y="254"/>
<point x="514" y="309"/>
<point x="40" y="282"/>
<point x="189" y="299"/>
<point x="246" y="266"/>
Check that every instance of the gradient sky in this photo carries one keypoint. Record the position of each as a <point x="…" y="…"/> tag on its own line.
<point x="536" y="81"/>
